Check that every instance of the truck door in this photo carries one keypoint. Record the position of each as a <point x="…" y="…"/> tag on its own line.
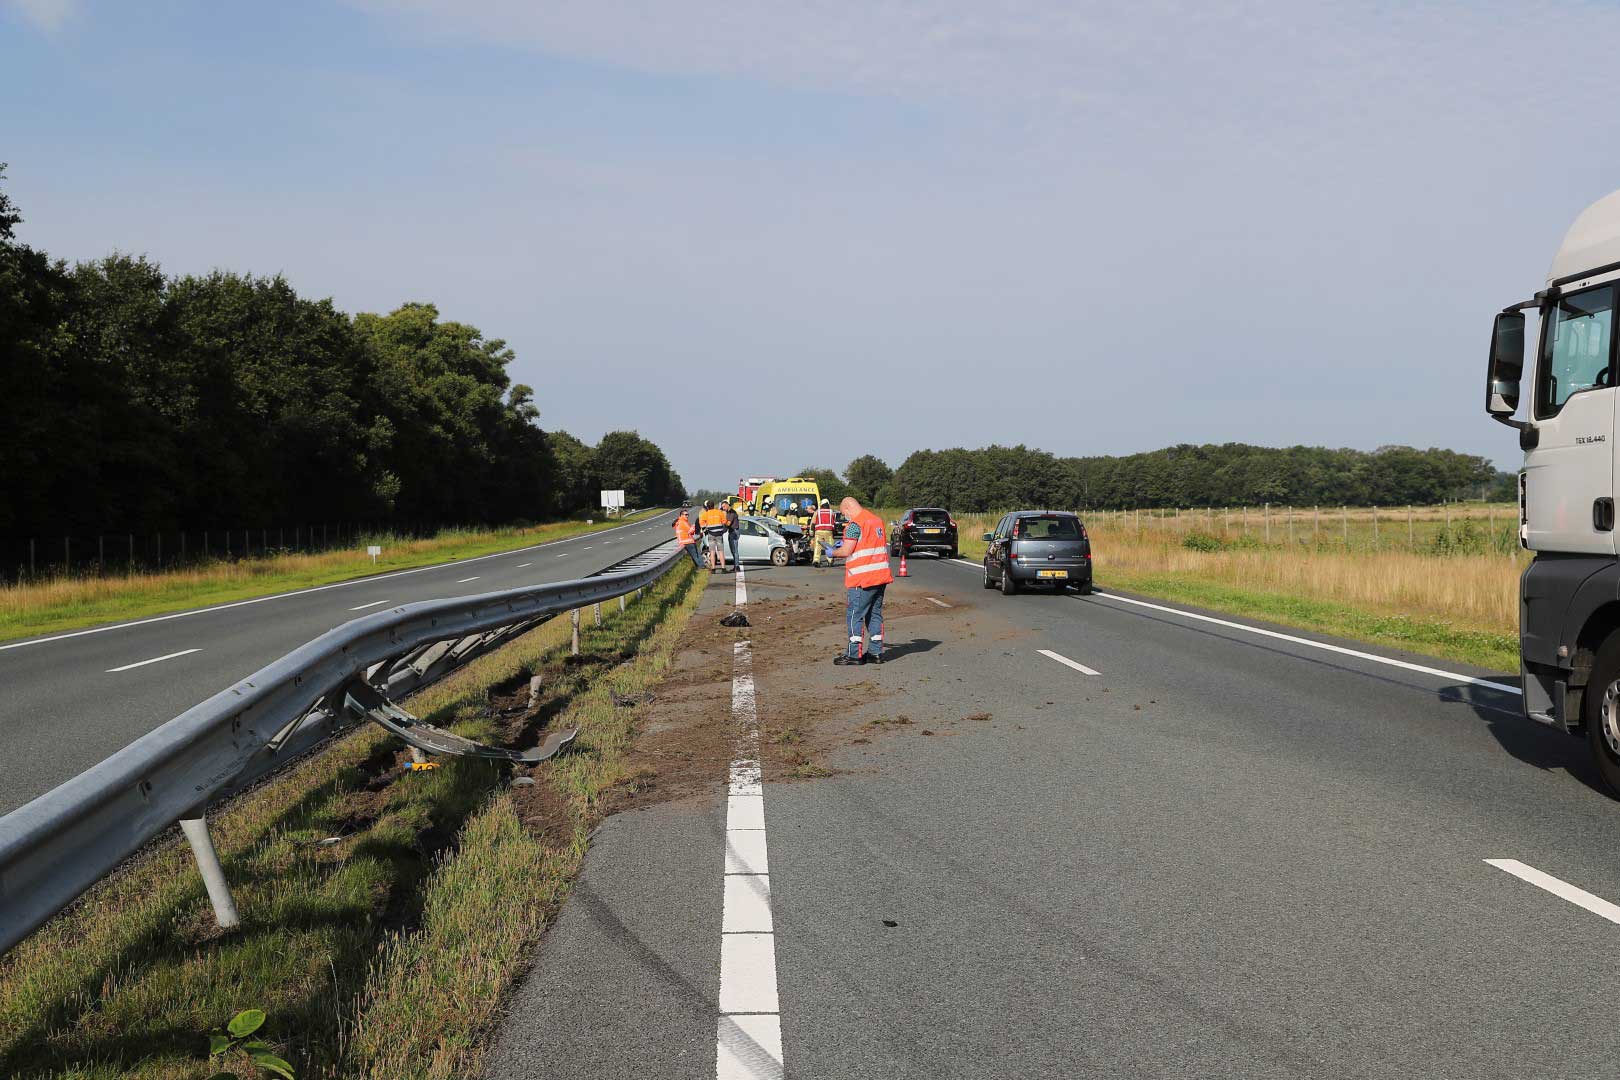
<point x="1569" y="473"/>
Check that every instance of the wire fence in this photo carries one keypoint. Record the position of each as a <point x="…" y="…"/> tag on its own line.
<point x="25" y="559"/>
<point x="1456" y="528"/>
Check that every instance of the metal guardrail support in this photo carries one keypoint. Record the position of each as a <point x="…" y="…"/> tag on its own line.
<point x="54" y="848"/>
<point x="574" y="616"/>
<point x="213" y="875"/>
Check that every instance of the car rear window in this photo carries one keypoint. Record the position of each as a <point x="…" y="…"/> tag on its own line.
<point x="930" y="517"/>
<point x="1056" y="527"/>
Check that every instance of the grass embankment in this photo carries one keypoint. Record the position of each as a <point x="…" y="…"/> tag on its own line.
<point x="1453" y="593"/>
<point x="384" y="953"/>
<point x="71" y="603"/>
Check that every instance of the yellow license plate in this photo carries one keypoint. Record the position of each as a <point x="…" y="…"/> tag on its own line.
<point x="1051" y="573"/>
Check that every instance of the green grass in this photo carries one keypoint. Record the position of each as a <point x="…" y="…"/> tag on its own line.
<point x="1420" y="634"/>
<point x="381" y="955"/>
<point x="62" y="604"/>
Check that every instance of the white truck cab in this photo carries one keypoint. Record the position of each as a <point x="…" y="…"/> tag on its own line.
<point x="1569" y="596"/>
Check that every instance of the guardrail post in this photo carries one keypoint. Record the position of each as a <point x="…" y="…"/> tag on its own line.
<point x="219" y="890"/>
<point x="599" y="613"/>
<point x="574" y="618"/>
<point x="621" y="603"/>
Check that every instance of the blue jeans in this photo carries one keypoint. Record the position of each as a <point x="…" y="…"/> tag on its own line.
<point x="731" y="538"/>
<point x="864" y="608"/>
<point x="691" y="549"/>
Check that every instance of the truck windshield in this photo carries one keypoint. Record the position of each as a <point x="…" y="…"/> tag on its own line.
<point x="1575" y="346"/>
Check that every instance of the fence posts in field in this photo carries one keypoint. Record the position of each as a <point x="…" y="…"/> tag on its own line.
<point x="1411" y="540"/>
<point x="1267" y="513"/>
<point x="1346" y="510"/>
<point x="1375" y="528"/>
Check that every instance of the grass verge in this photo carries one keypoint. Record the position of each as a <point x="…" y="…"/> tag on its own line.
<point x="1460" y="607"/>
<point x="384" y="911"/>
<point x="72" y="603"/>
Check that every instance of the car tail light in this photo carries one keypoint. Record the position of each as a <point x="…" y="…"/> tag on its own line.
<point x="1013" y="555"/>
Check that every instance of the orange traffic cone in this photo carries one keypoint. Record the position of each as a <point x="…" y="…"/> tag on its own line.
<point x="903" y="572"/>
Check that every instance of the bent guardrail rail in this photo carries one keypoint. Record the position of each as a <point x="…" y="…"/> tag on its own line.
<point x="54" y="848"/>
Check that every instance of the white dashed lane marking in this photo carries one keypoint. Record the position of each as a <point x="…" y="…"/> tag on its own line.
<point x="931" y="600"/>
<point x="1060" y="658"/>
<point x="464" y="580"/>
<point x="374" y="603"/>
<point x="154" y="660"/>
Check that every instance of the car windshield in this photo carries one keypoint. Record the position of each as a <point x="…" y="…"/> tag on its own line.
<point x="1055" y="527"/>
<point x="793" y="504"/>
<point x="930" y="517"/>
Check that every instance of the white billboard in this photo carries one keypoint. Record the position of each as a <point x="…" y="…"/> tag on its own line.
<point x="613" y="500"/>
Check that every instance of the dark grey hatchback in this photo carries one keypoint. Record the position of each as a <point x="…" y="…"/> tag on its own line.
<point x="1038" y="547"/>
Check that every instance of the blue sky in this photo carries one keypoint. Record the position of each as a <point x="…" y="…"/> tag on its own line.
<point x="835" y="228"/>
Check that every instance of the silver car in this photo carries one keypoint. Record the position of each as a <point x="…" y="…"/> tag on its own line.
<point x="760" y="539"/>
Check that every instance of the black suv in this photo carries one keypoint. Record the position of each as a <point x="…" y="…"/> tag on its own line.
<point x="1045" y="547"/>
<point x="923" y="528"/>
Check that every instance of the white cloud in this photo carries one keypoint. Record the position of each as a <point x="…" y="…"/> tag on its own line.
<point x="48" y="15"/>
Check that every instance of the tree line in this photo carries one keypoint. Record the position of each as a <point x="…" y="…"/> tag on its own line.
<point x="135" y="401"/>
<point x="1230" y="474"/>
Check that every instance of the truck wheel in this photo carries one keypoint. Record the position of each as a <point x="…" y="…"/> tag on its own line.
<point x="1602" y="712"/>
<point x="779" y="556"/>
<point x="1009" y="587"/>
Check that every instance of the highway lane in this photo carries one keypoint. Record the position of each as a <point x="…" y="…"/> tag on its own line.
<point x="1222" y="854"/>
<point x="1177" y="849"/>
<point x="68" y="701"/>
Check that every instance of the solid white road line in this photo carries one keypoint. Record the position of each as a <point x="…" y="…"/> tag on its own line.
<point x="285" y="595"/>
<point x="154" y="660"/>
<point x="1291" y="639"/>
<point x="931" y="600"/>
<point x="748" y="1034"/>
<point x="742" y="588"/>
<point x="1563" y="889"/>
<point x="363" y="607"/>
<point x="464" y="580"/>
<point x="1060" y="658"/>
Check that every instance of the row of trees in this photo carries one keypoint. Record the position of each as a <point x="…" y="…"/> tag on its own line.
<point x="1230" y="474"/>
<point x="139" y="402"/>
<point x="1233" y="474"/>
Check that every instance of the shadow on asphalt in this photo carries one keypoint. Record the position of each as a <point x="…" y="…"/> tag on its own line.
<point x="915" y="645"/>
<point x="1534" y="744"/>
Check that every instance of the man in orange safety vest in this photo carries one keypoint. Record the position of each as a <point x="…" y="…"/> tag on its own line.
<point x="865" y="552"/>
<point x="687" y="537"/>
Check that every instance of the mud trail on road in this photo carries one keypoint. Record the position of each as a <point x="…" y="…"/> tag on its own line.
<point x="807" y="707"/>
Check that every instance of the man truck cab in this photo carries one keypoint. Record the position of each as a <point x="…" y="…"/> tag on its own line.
<point x="1569" y="596"/>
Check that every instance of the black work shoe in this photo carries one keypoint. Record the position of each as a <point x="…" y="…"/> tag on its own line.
<point x="845" y="660"/>
<point x="874" y="658"/>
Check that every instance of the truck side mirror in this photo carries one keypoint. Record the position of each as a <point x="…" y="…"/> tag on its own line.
<point x="987" y="537"/>
<point x="1506" y="364"/>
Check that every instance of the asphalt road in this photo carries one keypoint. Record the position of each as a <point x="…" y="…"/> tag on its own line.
<point x="1223" y="854"/>
<point x="70" y="700"/>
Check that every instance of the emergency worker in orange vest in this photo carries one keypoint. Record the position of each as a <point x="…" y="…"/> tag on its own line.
<point x="865" y="552"/>
<point x="687" y="537"/>
<point x="823" y="537"/>
<point x="713" y="524"/>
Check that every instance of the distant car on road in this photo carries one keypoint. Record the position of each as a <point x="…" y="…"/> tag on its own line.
<point x="923" y="528"/>
<point x="760" y="539"/>
<point x="1038" y="547"/>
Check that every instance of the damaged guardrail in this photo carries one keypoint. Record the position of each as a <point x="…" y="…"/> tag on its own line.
<point x="57" y="846"/>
